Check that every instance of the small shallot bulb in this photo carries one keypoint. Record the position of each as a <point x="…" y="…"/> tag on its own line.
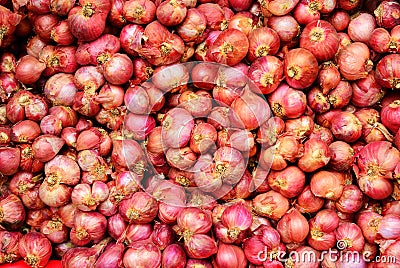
<point x="271" y="204"/>
<point x="29" y="69"/>
<point x="173" y="257"/>
<point x="230" y="256"/>
<point x="46" y="147"/>
<point x="328" y="77"/>
<point x="287" y="102"/>
<point x="139" y="208"/>
<point x="307" y="202"/>
<point x="289" y="182"/>
<point x="346" y="127"/>
<point x="9" y="245"/>
<point x="293" y="227"/>
<point x="300" y="68"/>
<point x="88" y="226"/>
<point x="349" y="237"/>
<point x="9" y="160"/>
<point x="35" y="249"/>
<point x="342" y="155"/>
<point x="200" y="246"/>
<point x="327" y="184"/>
<point x="351" y="200"/>
<point x="322" y="228"/>
<point x="389" y="226"/>
<point x="142" y="254"/>
<point x="316" y="155"/>
<point x="194" y="220"/>
<point x="354" y="61"/>
<point x="12" y="212"/>
<point x="236" y="219"/>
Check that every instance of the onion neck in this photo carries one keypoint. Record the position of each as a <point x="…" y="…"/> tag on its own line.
<point x="53" y="61"/>
<point x="187" y="234"/>
<point x="226" y="48"/>
<point x="89" y="201"/>
<point x="373" y="171"/>
<point x="289" y="263"/>
<point x="262" y="51"/>
<point x="395" y="83"/>
<point x="22" y="188"/>
<point x="27" y="152"/>
<point x="132" y="214"/>
<point x="3" y="32"/>
<point x="369" y="64"/>
<point x="314" y="6"/>
<point x="196" y="200"/>
<point x="56" y="225"/>
<point x="165" y="49"/>
<point x="103" y="58"/>
<point x="87" y="10"/>
<point x="138" y="12"/>
<point x="174" y="3"/>
<point x="32" y="260"/>
<point x="224" y="25"/>
<point x="221" y="169"/>
<point x="316" y="233"/>
<point x="81" y="233"/>
<point x="9" y="258"/>
<point x="330" y="195"/>
<point x="267" y="79"/>
<point x="317" y="35"/>
<point x="278" y="109"/>
<point x="182" y="180"/>
<point x="24" y="100"/>
<point x="3" y="137"/>
<point x="139" y="168"/>
<point x="53" y="179"/>
<point x="294" y="72"/>
<point x="234" y="233"/>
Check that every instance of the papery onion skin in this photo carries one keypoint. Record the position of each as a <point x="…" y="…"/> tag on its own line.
<point x="24" y="70"/>
<point x="230" y="256"/>
<point x="9" y="159"/>
<point x="200" y="246"/>
<point x="82" y="20"/>
<point x="230" y="47"/>
<point x="354" y="61"/>
<point x="271" y="204"/>
<point x="388" y="71"/>
<point x="286" y="26"/>
<point x="278" y="7"/>
<point x="339" y="19"/>
<point x="173" y="256"/>
<point x="317" y="35"/>
<point x="139" y="12"/>
<point x="361" y="27"/>
<point x="386" y="14"/>
<point x="300" y="68"/>
<point x="289" y="182"/>
<point x="293" y="227"/>
<point x="111" y="257"/>
<point x="35" y="248"/>
<point x="266" y="72"/>
<point x="327" y="184"/>
<point x="262" y="42"/>
<point x="287" y="102"/>
<point x="140" y="208"/>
